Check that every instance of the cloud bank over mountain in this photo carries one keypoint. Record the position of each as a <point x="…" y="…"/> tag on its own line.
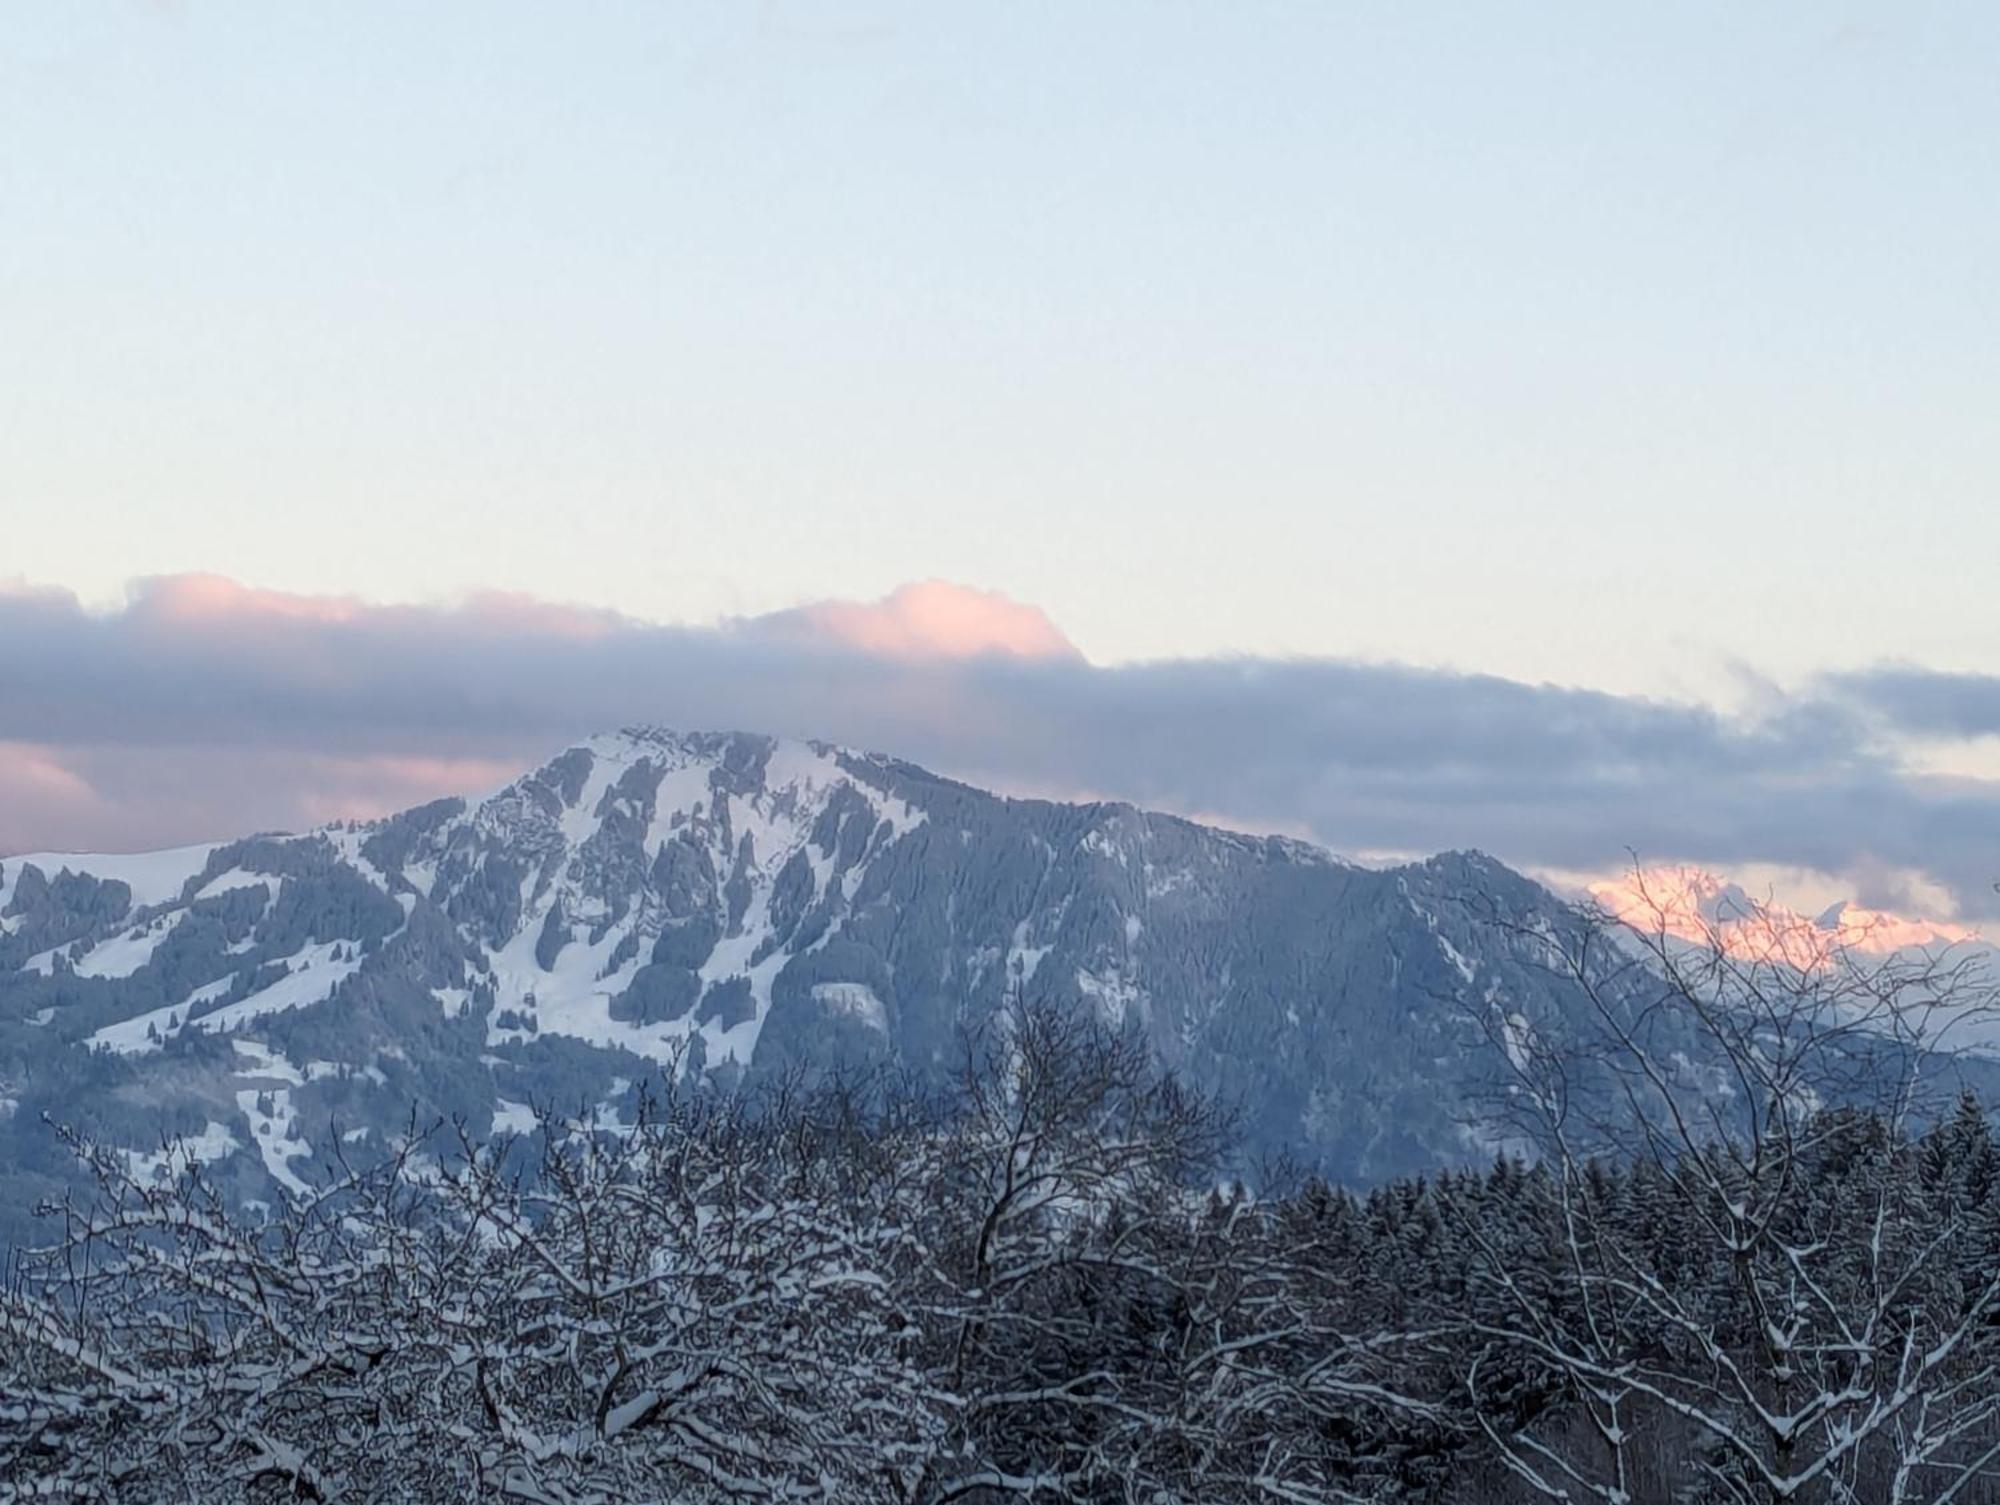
<point x="203" y="708"/>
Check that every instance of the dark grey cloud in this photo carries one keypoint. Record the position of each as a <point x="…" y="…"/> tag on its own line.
<point x="1926" y="702"/>
<point x="196" y="713"/>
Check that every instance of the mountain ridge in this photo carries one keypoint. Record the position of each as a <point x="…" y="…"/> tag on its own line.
<point x="721" y="907"/>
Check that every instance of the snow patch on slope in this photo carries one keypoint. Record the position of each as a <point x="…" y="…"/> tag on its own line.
<point x="236" y="878"/>
<point x="153" y="877"/>
<point x="273" y="1132"/>
<point x="852" y="1000"/>
<point x="214" y="1142"/>
<point x="313" y="976"/>
<point x="127" y="952"/>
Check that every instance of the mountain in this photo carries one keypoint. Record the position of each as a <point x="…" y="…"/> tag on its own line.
<point x="723" y="907"/>
<point x="1693" y="905"/>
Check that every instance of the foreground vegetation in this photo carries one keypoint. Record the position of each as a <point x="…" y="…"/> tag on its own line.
<point x="1750" y="1294"/>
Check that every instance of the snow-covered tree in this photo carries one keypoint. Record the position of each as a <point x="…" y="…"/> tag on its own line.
<point x="1763" y="1281"/>
<point x="682" y="1310"/>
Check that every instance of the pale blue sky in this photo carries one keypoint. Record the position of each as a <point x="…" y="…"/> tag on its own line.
<point x="1600" y="344"/>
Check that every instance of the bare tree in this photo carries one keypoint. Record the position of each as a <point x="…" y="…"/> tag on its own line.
<point x="1755" y="1079"/>
<point x="681" y="1309"/>
<point x="1734" y="1273"/>
<point x="1113" y="1329"/>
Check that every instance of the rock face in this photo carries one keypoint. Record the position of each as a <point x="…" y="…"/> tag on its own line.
<point x="718" y="907"/>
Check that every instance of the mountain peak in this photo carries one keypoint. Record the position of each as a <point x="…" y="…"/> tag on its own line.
<point x="711" y="906"/>
<point x="1698" y="906"/>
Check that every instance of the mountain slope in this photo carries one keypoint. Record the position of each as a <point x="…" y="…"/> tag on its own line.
<point x="719" y="907"/>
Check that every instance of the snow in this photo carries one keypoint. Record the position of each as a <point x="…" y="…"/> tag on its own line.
<point x="348" y="842"/>
<point x="683" y="790"/>
<point x="266" y="1062"/>
<point x="772" y="838"/>
<point x="214" y="1142"/>
<point x="126" y="953"/>
<point x="235" y="878"/>
<point x="1114" y="993"/>
<point x="1451" y="953"/>
<point x="852" y="1000"/>
<point x="1023" y="959"/>
<point x="810" y="771"/>
<point x="313" y="977"/>
<point x="271" y="1133"/>
<point x="208" y="992"/>
<point x="128" y="1037"/>
<point x="1100" y="844"/>
<point x="731" y="959"/>
<point x="607" y="1115"/>
<point x="514" y="1118"/>
<point x="609" y="758"/>
<point x="153" y="877"/>
<point x="573" y="997"/>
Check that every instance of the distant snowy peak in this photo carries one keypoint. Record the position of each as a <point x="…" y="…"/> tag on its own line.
<point x="1694" y="905"/>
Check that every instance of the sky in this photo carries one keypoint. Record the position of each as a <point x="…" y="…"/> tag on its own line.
<point x="1563" y="428"/>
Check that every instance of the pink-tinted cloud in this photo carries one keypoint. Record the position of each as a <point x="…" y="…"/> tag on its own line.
<point x="125" y="798"/>
<point x="929" y="619"/>
<point x="198" y="601"/>
<point x="367" y="787"/>
<point x="204" y="709"/>
<point x="37" y="772"/>
<point x="41" y="796"/>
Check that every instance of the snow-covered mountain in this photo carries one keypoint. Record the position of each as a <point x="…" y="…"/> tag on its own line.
<point x="1703" y="908"/>
<point x="717" y="907"/>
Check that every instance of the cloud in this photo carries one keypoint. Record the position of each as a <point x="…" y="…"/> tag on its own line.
<point x="202" y="708"/>
<point x="197" y="602"/>
<point x="207" y="600"/>
<point x="41" y="795"/>
<point x="928" y="619"/>
<point x="1926" y="702"/>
